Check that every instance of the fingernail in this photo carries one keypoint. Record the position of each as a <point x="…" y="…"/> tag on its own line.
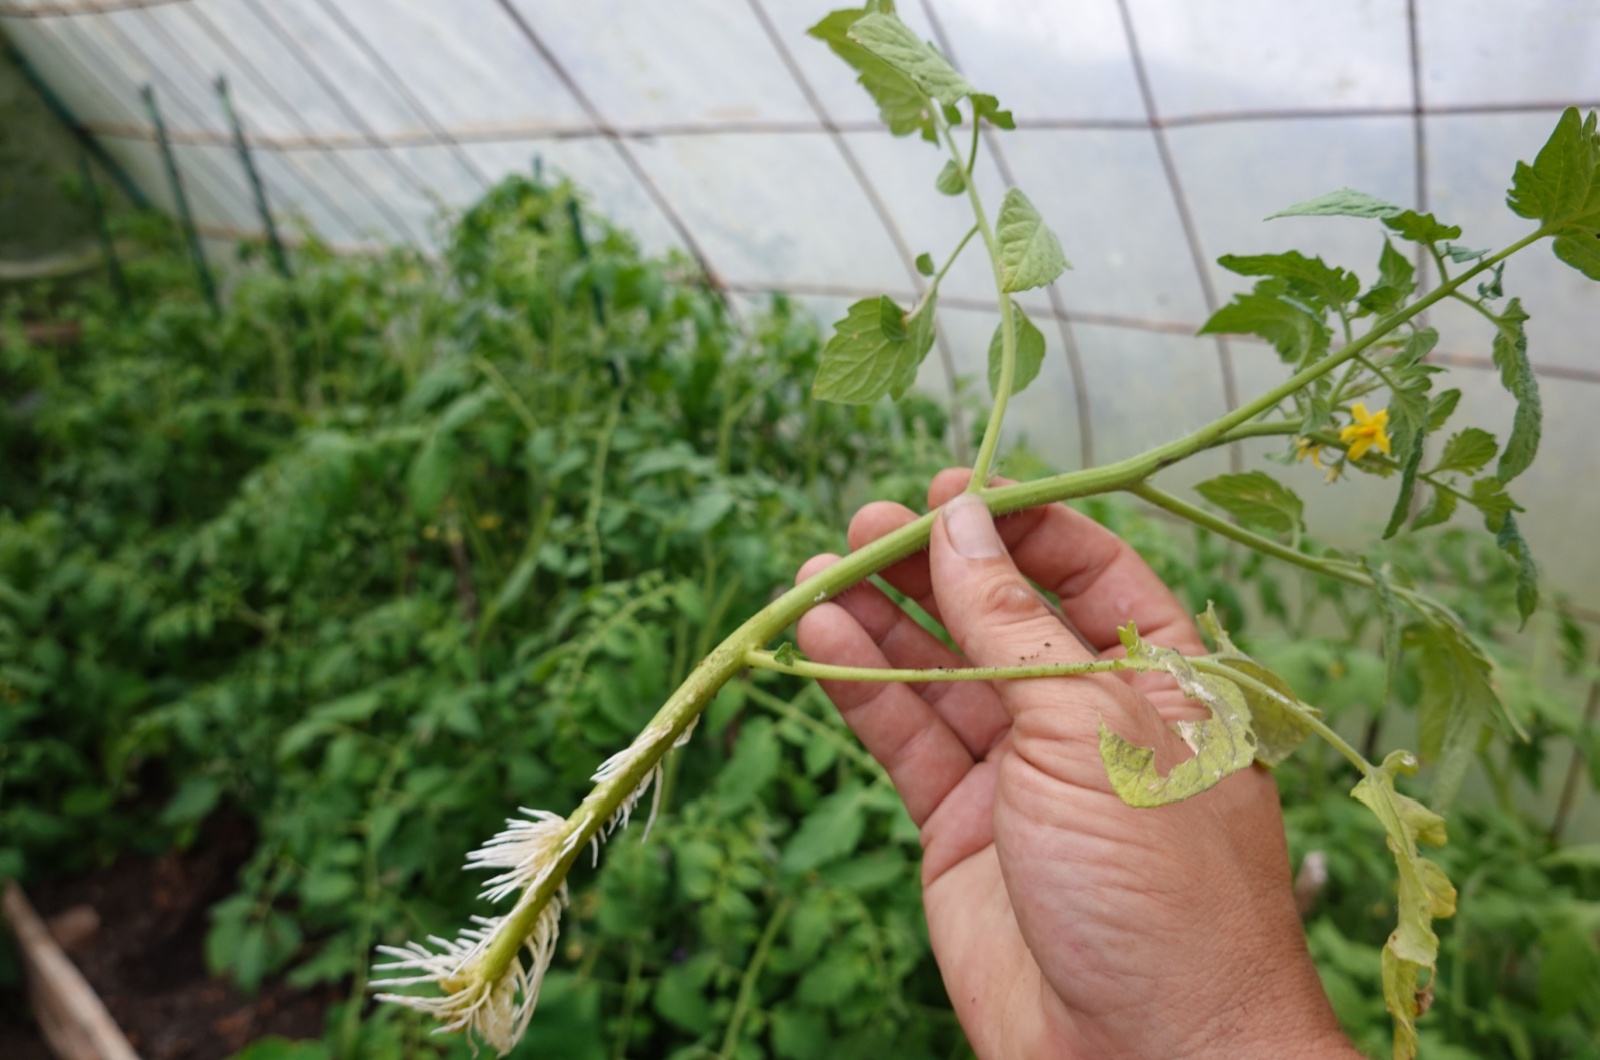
<point x="971" y="528"/>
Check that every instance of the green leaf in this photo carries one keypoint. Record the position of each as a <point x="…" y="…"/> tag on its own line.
<point x="1029" y="354"/>
<point x="1512" y="543"/>
<point x="901" y="104"/>
<point x="1581" y="250"/>
<point x="1560" y="187"/>
<point x="1346" y="202"/>
<point x="1293" y="332"/>
<point x="680" y="994"/>
<point x="429" y="478"/>
<point x="863" y="361"/>
<point x="1222" y="745"/>
<point x="1420" y="227"/>
<point x="1425" y="895"/>
<point x="952" y="179"/>
<point x="1467" y="451"/>
<point x="1516" y="375"/>
<point x="1489" y="496"/>
<point x="1308" y="279"/>
<point x="1439" y="509"/>
<point x="1408" y="413"/>
<point x="893" y="41"/>
<point x="829" y="832"/>
<point x="1396" y="282"/>
<point x="1389" y="615"/>
<point x="1417" y="347"/>
<point x="925" y="264"/>
<point x="1457" y="700"/>
<point x="1030" y="254"/>
<point x="986" y="106"/>
<point x="1439" y="409"/>
<point x="195" y="798"/>
<point x="1408" y="483"/>
<point x="1256" y="499"/>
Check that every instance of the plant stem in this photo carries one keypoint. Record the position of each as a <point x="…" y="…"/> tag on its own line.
<point x="752" y="972"/>
<point x="933" y="284"/>
<point x="724" y="661"/>
<point x="1308" y="717"/>
<point x="847" y="746"/>
<point x="765" y="660"/>
<point x="1008" y="326"/>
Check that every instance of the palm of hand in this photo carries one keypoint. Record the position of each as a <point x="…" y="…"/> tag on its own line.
<point x="1065" y="922"/>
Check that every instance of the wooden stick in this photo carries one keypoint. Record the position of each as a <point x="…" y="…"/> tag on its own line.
<point x="75" y="1023"/>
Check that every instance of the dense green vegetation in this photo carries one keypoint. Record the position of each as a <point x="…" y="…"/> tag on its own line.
<point x="389" y="549"/>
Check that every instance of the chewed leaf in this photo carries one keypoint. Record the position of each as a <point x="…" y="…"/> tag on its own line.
<point x="1278" y="728"/>
<point x="1346" y="202"/>
<point x="1030" y="254"/>
<point x="1222" y="746"/>
<point x="1425" y="895"/>
<point x="893" y="41"/>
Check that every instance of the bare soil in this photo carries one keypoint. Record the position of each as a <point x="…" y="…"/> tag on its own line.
<point x="147" y="957"/>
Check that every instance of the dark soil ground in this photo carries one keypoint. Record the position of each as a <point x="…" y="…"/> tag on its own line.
<point x="146" y="960"/>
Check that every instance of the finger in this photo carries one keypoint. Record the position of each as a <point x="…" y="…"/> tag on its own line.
<point x="1101" y="580"/>
<point x="923" y="756"/>
<point x="998" y="619"/>
<point x="970" y="708"/>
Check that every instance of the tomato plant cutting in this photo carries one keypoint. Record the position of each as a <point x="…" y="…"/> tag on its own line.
<point x="1359" y="397"/>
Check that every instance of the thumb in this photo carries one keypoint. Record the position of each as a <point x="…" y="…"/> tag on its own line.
<point x="998" y="619"/>
<point x="990" y="609"/>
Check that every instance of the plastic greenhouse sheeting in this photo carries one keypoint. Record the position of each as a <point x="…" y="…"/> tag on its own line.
<point x="1153" y="135"/>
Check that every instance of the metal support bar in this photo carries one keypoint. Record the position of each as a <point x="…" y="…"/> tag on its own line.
<point x="280" y="259"/>
<point x="196" y="252"/>
<point x="108" y="246"/>
<point x="90" y="145"/>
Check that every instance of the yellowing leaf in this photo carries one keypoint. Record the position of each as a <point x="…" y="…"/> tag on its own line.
<point x="1222" y="745"/>
<point x="1425" y="895"/>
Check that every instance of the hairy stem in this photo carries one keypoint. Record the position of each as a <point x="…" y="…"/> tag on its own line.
<point x="728" y="658"/>
<point x="765" y="660"/>
<point x="1008" y="326"/>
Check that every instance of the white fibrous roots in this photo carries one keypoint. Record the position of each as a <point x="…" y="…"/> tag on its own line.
<point x="496" y="1008"/>
<point x="497" y="1011"/>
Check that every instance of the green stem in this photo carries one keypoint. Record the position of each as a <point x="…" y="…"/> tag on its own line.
<point x="509" y="393"/>
<point x="728" y="658"/>
<point x="765" y="660"/>
<point x="1008" y="326"/>
<point x="752" y="973"/>
<point x="848" y="747"/>
<point x="933" y="285"/>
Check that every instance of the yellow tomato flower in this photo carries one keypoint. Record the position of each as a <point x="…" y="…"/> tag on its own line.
<point x="1370" y="429"/>
<point x="1304" y="447"/>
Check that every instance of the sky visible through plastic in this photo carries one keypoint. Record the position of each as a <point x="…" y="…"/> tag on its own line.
<point x="1153" y="135"/>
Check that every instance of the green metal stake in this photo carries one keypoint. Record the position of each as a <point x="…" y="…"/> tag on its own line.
<point x="196" y="253"/>
<point x="108" y="246"/>
<point x="280" y="260"/>
<point x="70" y="120"/>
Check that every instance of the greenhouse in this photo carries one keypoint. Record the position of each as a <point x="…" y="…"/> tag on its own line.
<point x="481" y="567"/>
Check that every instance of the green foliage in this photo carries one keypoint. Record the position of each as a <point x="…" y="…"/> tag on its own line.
<point x="1256" y="499"/>
<point x="874" y="351"/>
<point x="1029" y="353"/>
<point x="375" y="580"/>
<point x="1029" y="254"/>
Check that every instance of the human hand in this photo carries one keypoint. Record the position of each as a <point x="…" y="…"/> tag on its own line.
<point x="1066" y="923"/>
